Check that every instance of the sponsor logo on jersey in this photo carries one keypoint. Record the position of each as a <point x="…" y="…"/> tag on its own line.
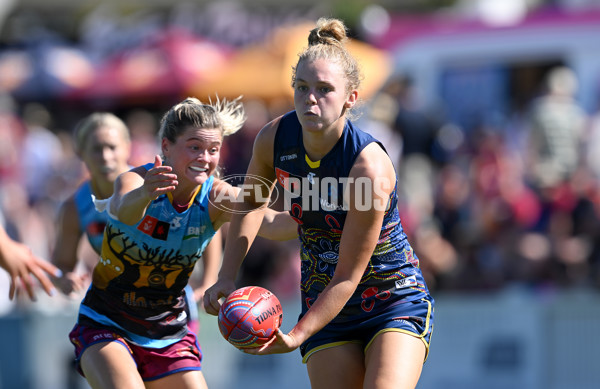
<point x="406" y="282"/>
<point x="194" y="232"/>
<point x="288" y="157"/>
<point x="287" y="182"/>
<point x="154" y="227"/>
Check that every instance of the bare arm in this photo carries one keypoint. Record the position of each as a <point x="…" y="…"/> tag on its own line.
<point x="278" y="226"/>
<point x="211" y="261"/>
<point x="246" y="221"/>
<point x="67" y="238"/>
<point x="64" y="255"/>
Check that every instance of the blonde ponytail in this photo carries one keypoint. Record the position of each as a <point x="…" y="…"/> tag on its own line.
<point x="231" y="114"/>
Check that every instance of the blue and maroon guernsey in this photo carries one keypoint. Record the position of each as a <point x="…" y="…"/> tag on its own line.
<point x="91" y="221"/>
<point x="138" y="285"/>
<point x="393" y="275"/>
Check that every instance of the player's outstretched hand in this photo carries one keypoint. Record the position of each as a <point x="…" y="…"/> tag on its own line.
<point x="222" y="288"/>
<point x="281" y="343"/>
<point x="159" y="179"/>
<point x="20" y="263"/>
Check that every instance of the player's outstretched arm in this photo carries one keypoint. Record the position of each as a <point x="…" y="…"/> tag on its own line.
<point x="211" y="261"/>
<point x="278" y="226"/>
<point x="64" y="255"/>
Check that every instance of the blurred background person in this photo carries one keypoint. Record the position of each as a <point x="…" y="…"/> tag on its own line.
<point x="103" y="143"/>
<point x="557" y="126"/>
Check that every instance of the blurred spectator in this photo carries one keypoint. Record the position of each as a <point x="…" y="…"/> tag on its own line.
<point x="414" y="122"/>
<point x="592" y="144"/>
<point x="557" y="126"/>
<point x="143" y="127"/>
<point x="379" y="122"/>
<point x="236" y="156"/>
<point x="12" y="131"/>
<point x="41" y="151"/>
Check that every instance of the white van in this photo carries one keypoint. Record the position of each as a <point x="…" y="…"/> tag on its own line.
<point x="475" y="71"/>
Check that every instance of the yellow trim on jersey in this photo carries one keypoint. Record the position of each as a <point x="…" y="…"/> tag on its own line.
<point x="326" y="346"/>
<point x="407" y="332"/>
<point x="311" y="164"/>
<point x="170" y="196"/>
<point x="399" y="330"/>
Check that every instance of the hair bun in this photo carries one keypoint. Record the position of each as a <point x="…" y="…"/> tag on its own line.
<point x="328" y="32"/>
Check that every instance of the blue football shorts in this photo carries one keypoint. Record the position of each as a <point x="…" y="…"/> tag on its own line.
<point x="414" y="318"/>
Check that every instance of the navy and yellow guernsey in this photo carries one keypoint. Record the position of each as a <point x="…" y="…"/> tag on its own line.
<point x="392" y="276"/>
<point x="138" y="286"/>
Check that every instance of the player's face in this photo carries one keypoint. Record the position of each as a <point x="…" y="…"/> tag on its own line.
<point x="195" y="154"/>
<point x="320" y="95"/>
<point x="105" y="153"/>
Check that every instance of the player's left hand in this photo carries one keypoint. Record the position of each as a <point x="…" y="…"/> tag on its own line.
<point x="280" y="344"/>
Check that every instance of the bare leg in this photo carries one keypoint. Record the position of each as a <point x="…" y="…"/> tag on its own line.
<point x="109" y="365"/>
<point x="394" y="360"/>
<point x="337" y="367"/>
<point x="193" y="379"/>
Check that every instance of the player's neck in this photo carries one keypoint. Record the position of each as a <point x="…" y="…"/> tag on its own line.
<point x="102" y="190"/>
<point x="317" y="145"/>
<point x="182" y="201"/>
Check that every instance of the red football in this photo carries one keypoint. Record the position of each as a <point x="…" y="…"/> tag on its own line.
<point x="250" y="317"/>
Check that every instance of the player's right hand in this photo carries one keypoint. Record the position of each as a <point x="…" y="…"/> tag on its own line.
<point x="221" y="289"/>
<point x="159" y="179"/>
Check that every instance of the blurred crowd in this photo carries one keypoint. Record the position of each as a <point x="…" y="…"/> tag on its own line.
<point x="483" y="208"/>
<point x="504" y="201"/>
<point x="495" y="204"/>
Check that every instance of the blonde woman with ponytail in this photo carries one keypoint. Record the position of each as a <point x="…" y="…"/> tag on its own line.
<point x="132" y="327"/>
<point x="367" y="315"/>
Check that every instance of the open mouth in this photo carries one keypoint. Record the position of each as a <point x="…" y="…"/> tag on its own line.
<point x="198" y="169"/>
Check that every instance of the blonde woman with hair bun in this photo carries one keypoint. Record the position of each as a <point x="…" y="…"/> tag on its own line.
<point x="367" y="315"/>
<point x="132" y="329"/>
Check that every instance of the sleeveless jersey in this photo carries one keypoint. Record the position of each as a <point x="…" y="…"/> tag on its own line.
<point x="91" y="221"/>
<point x="138" y="285"/>
<point x="313" y="193"/>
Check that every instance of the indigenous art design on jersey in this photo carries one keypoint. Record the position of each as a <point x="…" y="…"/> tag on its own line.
<point x="392" y="275"/>
<point x="138" y="285"/>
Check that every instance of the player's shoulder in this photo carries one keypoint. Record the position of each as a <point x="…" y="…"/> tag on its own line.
<point x="70" y="203"/>
<point x="136" y="173"/>
<point x="68" y="209"/>
<point x="373" y="161"/>
<point x="269" y="130"/>
<point x="265" y="140"/>
<point x="220" y="187"/>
